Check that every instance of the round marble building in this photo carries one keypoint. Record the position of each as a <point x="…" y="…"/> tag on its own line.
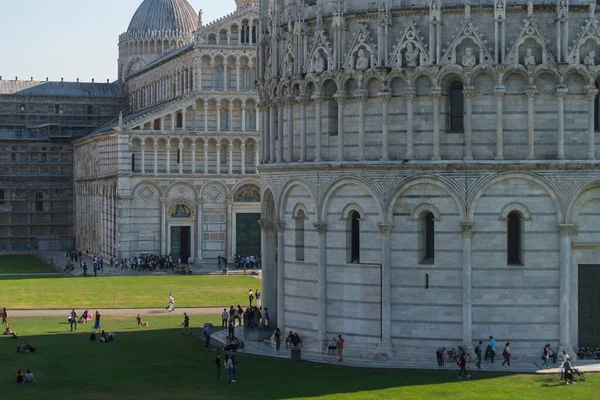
<point x="429" y="172"/>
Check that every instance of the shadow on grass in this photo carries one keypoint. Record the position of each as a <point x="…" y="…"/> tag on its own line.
<point x="163" y="363"/>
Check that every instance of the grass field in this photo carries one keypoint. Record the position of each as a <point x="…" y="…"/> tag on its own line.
<point x="159" y="363"/>
<point x="124" y="291"/>
<point x="22" y="264"/>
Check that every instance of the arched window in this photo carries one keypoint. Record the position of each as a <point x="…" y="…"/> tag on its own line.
<point x="426" y="237"/>
<point x="1" y="197"/>
<point x="456" y="107"/>
<point x="354" y="222"/>
<point x="513" y="250"/>
<point x="299" y="229"/>
<point x="179" y="120"/>
<point x="178" y="156"/>
<point x="39" y="201"/>
<point x="133" y="163"/>
<point x="597" y="110"/>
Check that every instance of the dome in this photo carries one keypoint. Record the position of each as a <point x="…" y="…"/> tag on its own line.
<point x="164" y="15"/>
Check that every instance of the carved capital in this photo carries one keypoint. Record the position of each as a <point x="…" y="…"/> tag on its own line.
<point x="467" y="228"/>
<point x="530" y="92"/>
<point x="279" y="226"/>
<point x="264" y="224"/>
<point x="385" y="96"/>
<point x="361" y="95"/>
<point x="568" y="229"/>
<point x="499" y="91"/>
<point x="591" y="92"/>
<point x="561" y="92"/>
<point x="340" y="98"/>
<point x="410" y="93"/>
<point x="385" y="229"/>
<point x="163" y="201"/>
<point x="469" y="92"/>
<point x="436" y="93"/>
<point x="320" y="227"/>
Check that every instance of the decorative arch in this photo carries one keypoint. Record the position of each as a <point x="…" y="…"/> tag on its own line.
<point x="519" y="208"/>
<point x="348" y="208"/>
<point x="184" y="183"/>
<point x="152" y="184"/>
<point x="268" y="209"/>
<point x="332" y="187"/>
<point x="181" y="208"/>
<point x="247" y="194"/>
<point x="289" y="186"/>
<point x="418" y="211"/>
<point x="488" y="182"/>
<point x="582" y="194"/>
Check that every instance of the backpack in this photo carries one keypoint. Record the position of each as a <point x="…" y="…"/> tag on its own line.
<point x="504" y="353"/>
<point x="459" y="363"/>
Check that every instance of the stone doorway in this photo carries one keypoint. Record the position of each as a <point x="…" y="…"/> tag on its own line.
<point x="181" y="242"/>
<point x="247" y="234"/>
<point x="589" y="305"/>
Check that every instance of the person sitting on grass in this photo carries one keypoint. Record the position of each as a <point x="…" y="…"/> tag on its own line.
<point x="84" y="317"/>
<point x="26" y="348"/>
<point x="332" y="347"/>
<point x="9" y="331"/>
<point x="29" y="378"/>
<point x="103" y="338"/>
<point x="20" y="376"/>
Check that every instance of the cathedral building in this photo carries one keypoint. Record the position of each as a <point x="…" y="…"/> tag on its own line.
<point x="178" y="174"/>
<point x="429" y="172"/>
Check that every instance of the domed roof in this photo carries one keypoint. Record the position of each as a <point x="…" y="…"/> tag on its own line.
<point x="164" y="15"/>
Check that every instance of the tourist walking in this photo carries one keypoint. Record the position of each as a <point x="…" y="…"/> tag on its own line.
<point x="97" y="322"/>
<point x="233" y="369"/>
<point x="340" y="347"/>
<point x="171" y="306"/>
<point x="568" y="371"/>
<point x="258" y="302"/>
<point x="506" y="355"/>
<point x="186" y="324"/>
<point x="462" y="364"/>
<point x="545" y="357"/>
<point x="4" y="316"/>
<point x="563" y="359"/>
<point x="138" y="319"/>
<point x="73" y="321"/>
<point x="207" y="336"/>
<point x="439" y="353"/>
<point x="277" y="339"/>
<point x="478" y="350"/>
<point x="218" y="364"/>
<point x="224" y="316"/>
<point x="250" y="296"/>
<point x="492" y="347"/>
<point x="228" y="368"/>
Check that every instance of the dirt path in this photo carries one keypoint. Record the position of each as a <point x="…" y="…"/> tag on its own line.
<point x="116" y="312"/>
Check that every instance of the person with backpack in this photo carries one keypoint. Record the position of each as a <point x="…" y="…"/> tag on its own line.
<point x="478" y="350"/>
<point x="506" y="355"/>
<point x="492" y="349"/>
<point x="462" y="364"/>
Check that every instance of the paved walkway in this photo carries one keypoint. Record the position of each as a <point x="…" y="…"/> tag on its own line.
<point x="117" y="311"/>
<point x="267" y="349"/>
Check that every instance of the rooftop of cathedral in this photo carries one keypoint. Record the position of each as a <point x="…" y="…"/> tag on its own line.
<point x="164" y="15"/>
<point x="61" y="89"/>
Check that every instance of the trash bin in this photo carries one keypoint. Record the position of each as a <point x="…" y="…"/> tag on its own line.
<point x="296" y="354"/>
<point x="224" y="270"/>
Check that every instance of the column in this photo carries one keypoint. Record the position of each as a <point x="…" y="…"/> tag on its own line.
<point x="162" y="123"/>
<point x="410" y="96"/>
<point x="230" y="129"/>
<point x="181" y="157"/>
<point x="218" y="118"/>
<point x="591" y="93"/>
<point x="173" y="121"/>
<point x="155" y="158"/>
<point x="244" y="117"/>
<point x="218" y="158"/>
<point x="194" y="157"/>
<point x="467" y="237"/>
<point x="436" y="94"/>
<point x="256" y="159"/>
<point x="194" y="107"/>
<point x="225" y="73"/>
<point x="318" y="101"/>
<point x="280" y="273"/>
<point x="386" y="284"/>
<point x="290" y="130"/>
<point x="267" y="263"/>
<point x="272" y="132"/>
<point x="237" y="73"/>
<point x="230" y="148"/>
<point x="566" y="232"/>
<point x="361" y="97"/>
<point x="199" y="228"/>
<point x="341" y="100"/>
<point x="561" y="92"/>
<point x="499" y="90"/>
<point x="468" y="94"/>
<point x="321" y="228"/>
<point x="163" y="226"/>
<point x="205" y="158"/>
<point x="280" y="133"/>
<point x="303" y="102"/>
<point x="257" y="119"/>
<point x="183" y="115"/>
<point x="530" y="93"/>
<point x="168" y="147"/>
<point x="243" y="149"/>
<point x="385" y="142"/>
<point x="205" y="117"/>
<point x="143" y="148"/>
<point x="229" y="244"/>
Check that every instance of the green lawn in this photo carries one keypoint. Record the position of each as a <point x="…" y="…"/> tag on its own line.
<point x="159" y="363"/>
<point x="22" y="264"/>
<point x="124" y="291"/>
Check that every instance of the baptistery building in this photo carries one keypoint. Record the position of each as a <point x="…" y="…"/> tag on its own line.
<point x="177" y="172"/>
<point x="429" y="173"/>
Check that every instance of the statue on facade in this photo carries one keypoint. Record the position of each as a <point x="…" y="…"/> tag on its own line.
<point x="412" y="55"/>
<point x="469" y="59"/>
<point x="529" y="59"/>
<point x="320" y="18"/>
<point x="362" y="61"/>
<point x="288" y="65"/>
<point x="500" y="9"/>
<point x="592" y="4"/>
<point x="590" y="59"/>
<point x="434" y="11"/>
<point x="467" y="10"/>
<point x="530" y="8"/>
<point x="318" y="62"/>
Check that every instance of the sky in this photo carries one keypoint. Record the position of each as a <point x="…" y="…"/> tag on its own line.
<point x="72" y="39"/>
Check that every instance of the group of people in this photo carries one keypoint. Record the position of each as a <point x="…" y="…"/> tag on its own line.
<point x="337" y="345"/>
<point x="588" y="352"/>
<point x="230" y="366"/>
<point x="257" y="318"/>
<point x="27" y="377"/>
<point x="248" y="261"/>
<point x="73" y="319"/>
<point x="256" y="295"/>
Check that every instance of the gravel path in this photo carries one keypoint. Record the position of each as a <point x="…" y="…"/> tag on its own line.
<point x="116" y="312"/>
